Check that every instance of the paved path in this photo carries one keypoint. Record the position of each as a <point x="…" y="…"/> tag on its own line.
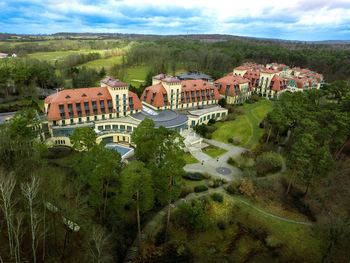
<point x="209" y="165"/>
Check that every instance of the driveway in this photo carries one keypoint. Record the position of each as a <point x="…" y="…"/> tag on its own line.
<point x="209" y="165"/>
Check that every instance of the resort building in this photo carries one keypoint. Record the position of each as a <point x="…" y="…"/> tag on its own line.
<point x="234" y="88"/>
<point x="269" y="81"/>
<point x="114" y="112"/>
<point x="169" y="92"/>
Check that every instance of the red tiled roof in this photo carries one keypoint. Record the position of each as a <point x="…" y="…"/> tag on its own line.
<point x="197" y="89"/>
<point x="73" y="96"/>
<point x="136" y="101"/>
<point x="231" y="81"/>
<point x="241" y="68"/>
<point x="269" y="71"/>
<point x="154" y="95"/>
<point x="278" y="83"/>
<point x="253" y="76"/>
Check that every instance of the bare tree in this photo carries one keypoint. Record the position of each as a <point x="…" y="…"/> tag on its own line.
<point x="99" y="246"/>
<point x="18" y="235"/>
<point x="30" y="191"/>
<point x="7" y="186"/>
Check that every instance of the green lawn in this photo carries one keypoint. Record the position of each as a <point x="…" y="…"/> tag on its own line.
<point x="189" y="159"/>
<point x="246" y="127"/>
<point x="299" y="238"/>
<point x="136" y="75"/>
<point x="214" y="151"/>
<point x="59" y="55"/>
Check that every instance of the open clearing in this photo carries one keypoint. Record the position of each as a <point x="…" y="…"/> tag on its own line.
<point x="246" y="127"/>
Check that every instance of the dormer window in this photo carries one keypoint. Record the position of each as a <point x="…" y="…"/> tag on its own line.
<point x="67" y="97"/>
<point x="84" y="95"/>
<point x="99" y="94"/>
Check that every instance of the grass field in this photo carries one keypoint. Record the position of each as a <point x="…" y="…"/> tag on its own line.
<point x="246" y="127"/>
<point x="189" y="159"/>
<point x="214" y="151"/>
<point x="136" y="75"/>
<point x="59" y="55"/>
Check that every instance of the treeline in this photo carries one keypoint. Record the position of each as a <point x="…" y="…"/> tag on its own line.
<point x="313" y="130"/>
<point x="74" y="60"/>
<point x="219" y="58"/>
<point x="85" y="205"/>
<point x="59" y="45"/>
<point x="21" y="77"/>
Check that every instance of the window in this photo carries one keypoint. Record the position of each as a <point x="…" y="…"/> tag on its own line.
<point x="108" y="127"/>
<point x="95" y="118"/>
<point x="122" y="127"/>
<point x="80" y="121"/>
<point x="100" y="128"/>
<point x="111" y="116"/>
<point x="193" y="123"/>
<point x="63" y="122"/>
<point x="54" y="123"/>
<point x="71" y="121"/>
<point x="115" y="127"/>
<point x="88" y="119"/>
<point x="61" y="108"/>
<point x="103" y="117"/>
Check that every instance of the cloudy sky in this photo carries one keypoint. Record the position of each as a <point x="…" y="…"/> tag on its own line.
<point x="285" y="19"/>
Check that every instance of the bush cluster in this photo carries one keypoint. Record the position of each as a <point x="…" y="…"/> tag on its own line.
<point x="200" y="188"/>
<point x="193" y="216"/>
<point x="268" y="162"/>
<point x="193" y="176"/>
<point x="217" y="197"/>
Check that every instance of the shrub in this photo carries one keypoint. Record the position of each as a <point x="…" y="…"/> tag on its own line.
<point x="217" y="197"/>
<point x="232" y="161"/>
<point x="211" y="129"/>
<point x="221" y="225"/>
<point x="208" y="136"/>
<point x="249" y="172"/>
<point x="235" y="141"/>
<point x="185" y="191"/>
<point x="233" y="188"/>
<point x="200" y="188"/>
<point x="268" y="162"/>
<point x="247" y="188"/>
<point x="230" y="117"/>
<point x="211" y="122"/>
<point x="193" y="176"/>
<point x="255" y="98"/>
<point x="206" y="176"/>
<point x="176" y="252"/>
<point x="193" y="216"/>
<point x="273" y="242"/>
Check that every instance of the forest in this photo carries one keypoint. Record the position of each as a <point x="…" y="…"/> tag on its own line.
<point x="84" y="203"/>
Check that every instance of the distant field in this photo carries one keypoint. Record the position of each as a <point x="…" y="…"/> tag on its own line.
<point x="136" y="75"/>
<point x="59" y="55"/>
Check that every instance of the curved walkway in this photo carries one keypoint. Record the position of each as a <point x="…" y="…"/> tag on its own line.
<point x="156" y="223"/>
